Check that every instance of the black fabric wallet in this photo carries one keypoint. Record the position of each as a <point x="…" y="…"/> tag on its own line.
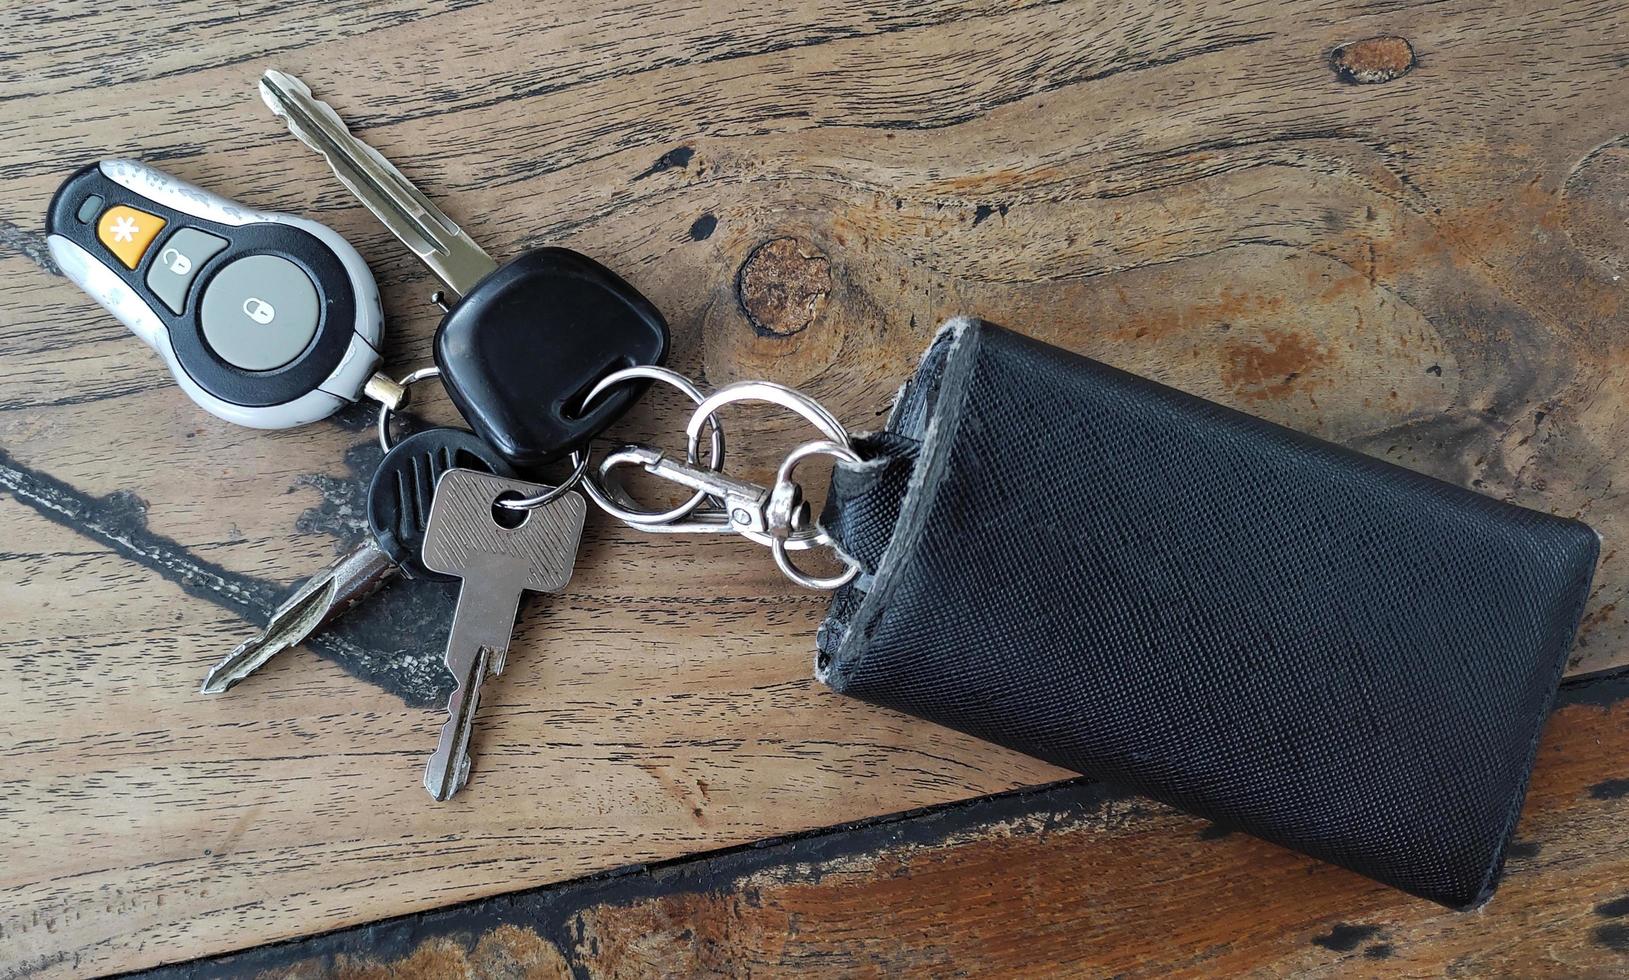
<point x="1284" y="636"/>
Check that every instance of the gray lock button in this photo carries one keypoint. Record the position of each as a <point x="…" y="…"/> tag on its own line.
<point x="176" y="265"/>
<point x="259" y="312"/>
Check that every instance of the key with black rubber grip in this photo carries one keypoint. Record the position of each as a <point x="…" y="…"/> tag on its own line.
<point x="399" y="500"/>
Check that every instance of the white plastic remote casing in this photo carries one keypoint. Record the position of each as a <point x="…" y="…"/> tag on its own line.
<point x="100" y="274"/>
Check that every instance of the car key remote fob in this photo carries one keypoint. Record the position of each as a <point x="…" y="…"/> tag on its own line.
<point x="264" y="319"/>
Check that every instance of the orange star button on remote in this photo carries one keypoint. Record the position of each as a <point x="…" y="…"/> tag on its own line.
<point x="127" y="232"/>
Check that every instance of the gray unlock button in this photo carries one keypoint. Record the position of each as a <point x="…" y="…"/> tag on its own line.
<point x="177" y="264"/>
<point x="259" y="310"/>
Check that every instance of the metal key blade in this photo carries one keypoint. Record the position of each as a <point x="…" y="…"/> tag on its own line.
<point x="482" y="624"/>
<point x="325" y="597"/>
<point x="434" y="238"/>
<point x="448" y="769"/>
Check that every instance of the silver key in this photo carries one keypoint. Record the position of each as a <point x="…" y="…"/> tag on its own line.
<point x="434" y="238"/>
<point x="327" y="596"/>
<point x="497" y="564"/>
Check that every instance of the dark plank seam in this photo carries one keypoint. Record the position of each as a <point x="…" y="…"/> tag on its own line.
<point x="552" y="911"/>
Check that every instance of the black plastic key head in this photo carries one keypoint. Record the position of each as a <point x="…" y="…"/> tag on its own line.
<point x="521" y="351"/>
<point x="403" y="485"/>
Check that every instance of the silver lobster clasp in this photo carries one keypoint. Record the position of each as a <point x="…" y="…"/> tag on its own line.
<point x="776" y="516"/>
<point x="734" y="505"/>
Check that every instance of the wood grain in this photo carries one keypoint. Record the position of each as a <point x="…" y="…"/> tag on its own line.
<point x="1426" y="267"/>
<point x="1071" y="880"/>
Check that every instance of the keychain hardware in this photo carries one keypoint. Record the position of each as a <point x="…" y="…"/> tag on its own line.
<point x="624" y="509"/>
<point x="387" y="408"/>
<point x="777" y="517"/>
<point x="786" y="500"/>
<point x="401" y="401"/>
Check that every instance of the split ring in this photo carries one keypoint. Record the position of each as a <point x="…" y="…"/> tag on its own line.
<point x="778" y="539"/>
<point x="596" y="492"/>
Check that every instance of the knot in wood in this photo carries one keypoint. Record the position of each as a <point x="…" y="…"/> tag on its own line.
<point x="1373" y="60"/>
<point x="783" y="286"/>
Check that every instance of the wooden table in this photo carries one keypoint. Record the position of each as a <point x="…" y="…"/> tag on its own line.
<point x="1398" y="226"/>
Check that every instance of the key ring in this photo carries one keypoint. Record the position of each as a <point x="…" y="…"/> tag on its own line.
<point x="786" y="523"/>
<point x="387" y="443"/>
<point x="580" y="466"/>
<point x="786" y="498"/>
<point x="739" y="506"/>
<point x="796" y="401"/>
<point x="777" y="516"/>
<point x="603" y="499"/>
<point x="406" y="385"/>
<point x="580" y="457"/>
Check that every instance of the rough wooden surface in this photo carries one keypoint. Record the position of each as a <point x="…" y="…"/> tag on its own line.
<point x="1414" y="248"/>
<point x="1071" y="880"/>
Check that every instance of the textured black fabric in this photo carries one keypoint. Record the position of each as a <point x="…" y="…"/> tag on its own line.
<point x="1271" y="631"/>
